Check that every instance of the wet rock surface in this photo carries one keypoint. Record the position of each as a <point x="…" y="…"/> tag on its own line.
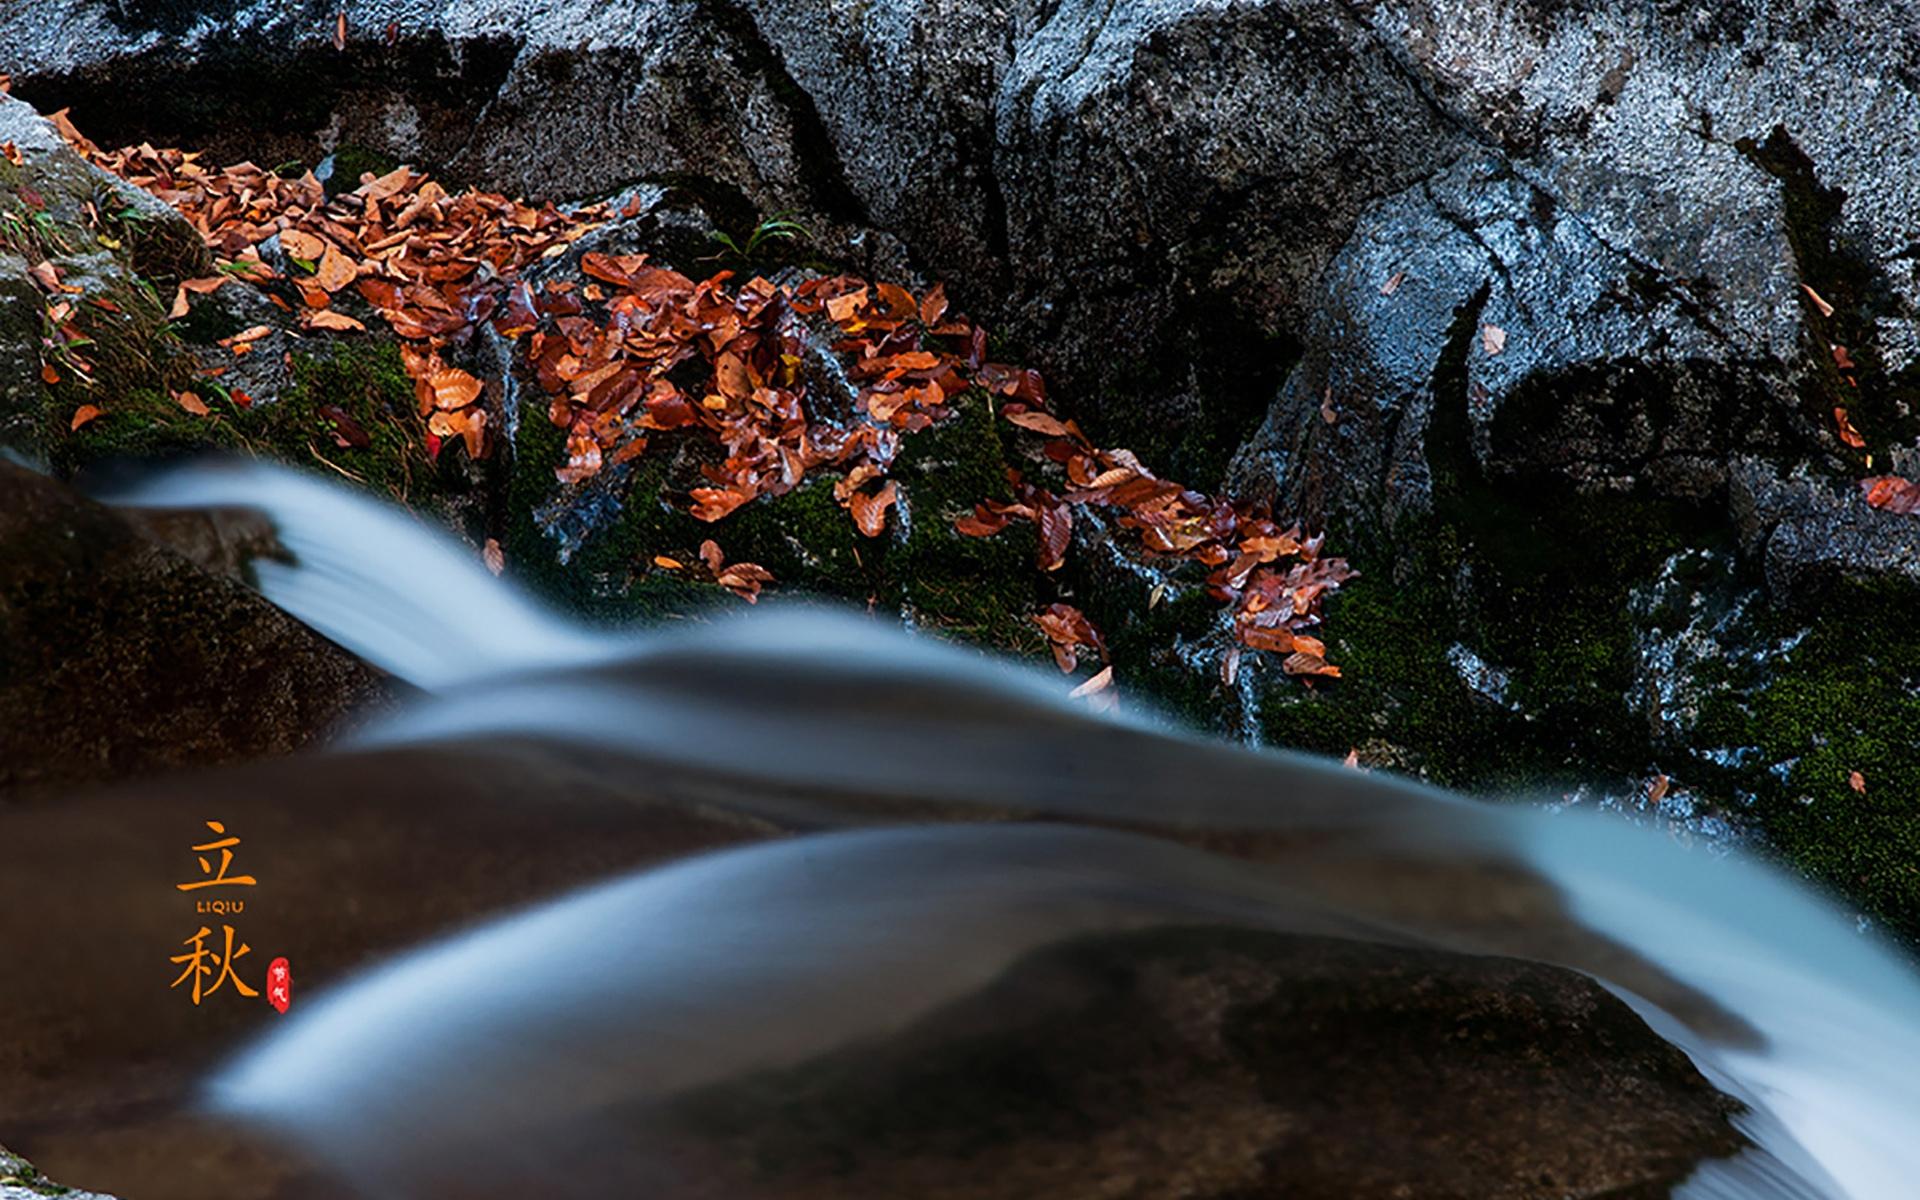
<point x="1181" y="172"/>
<point x="1215" y="1063"/>
<point x="119" y="658"/>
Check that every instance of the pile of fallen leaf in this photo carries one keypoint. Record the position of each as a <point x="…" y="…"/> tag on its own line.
<point x="627" y="349"/>
<point x="1272" y="606"/>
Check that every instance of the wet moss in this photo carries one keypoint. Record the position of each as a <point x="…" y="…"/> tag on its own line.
<point x="979" y="590"/>
<point x="364" y="379"/>
<point x="1846" y="699"/>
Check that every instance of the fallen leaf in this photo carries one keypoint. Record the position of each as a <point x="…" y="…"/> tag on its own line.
<point x="1857" y="782"/>
<point x="1039" y="422"/>
<point x="1848" y="433"/>
<point x="349" y="433"/>
<point x="192" y="402"/>
<point x="339" y="322"/>
<point x="1393" y="283"/>
<point x="1327" y="412"/>
<point x="340" y="31"/>
<point x="48" y="375"/>
<point x="298" y="243"/>
<point x="12" y="153"/>
<point x="1658" y="791"/>
<point x="1493" y="339"/>
<point x="453" y="388"/>
<point x="493" y="556"/>
<point x="1843" y="360"/>
<point x="1352" y="759"/>
<point x="670" y="564"/>
<point x="870" y="511"/>
<point x="83" y="414"/>
<point x="1100" y="682"/>
<point x="1825" y="309"/>
<point x="1892" y="493"/>
<point x="1299" y="663"/>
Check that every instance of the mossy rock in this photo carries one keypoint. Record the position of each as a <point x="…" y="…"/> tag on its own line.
<point x="592" y="547"/>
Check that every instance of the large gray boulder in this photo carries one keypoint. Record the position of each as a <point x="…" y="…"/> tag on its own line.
<point x="1178" y="205"/>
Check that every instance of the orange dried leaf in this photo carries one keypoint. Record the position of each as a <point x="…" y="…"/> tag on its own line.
<point x="83" y="414"/>
<point x="870" y="511"/>
<point x="1848" y="433"/>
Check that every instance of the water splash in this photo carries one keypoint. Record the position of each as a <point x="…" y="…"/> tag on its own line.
<point x="374" y="579"/>
<point x="769" y="954"/>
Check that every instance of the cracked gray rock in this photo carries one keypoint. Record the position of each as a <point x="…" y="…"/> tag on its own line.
<point x="1176" y="206"/>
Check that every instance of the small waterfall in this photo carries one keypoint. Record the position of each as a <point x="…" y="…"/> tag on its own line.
<point x="634" y="988"/>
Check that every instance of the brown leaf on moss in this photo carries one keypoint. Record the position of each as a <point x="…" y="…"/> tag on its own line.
<point x="870" y="510"/>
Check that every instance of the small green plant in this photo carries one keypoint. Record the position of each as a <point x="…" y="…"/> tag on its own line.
<point x="771" y="241"/>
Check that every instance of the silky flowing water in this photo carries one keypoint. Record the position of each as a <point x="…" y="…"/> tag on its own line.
<point x="634" y="989"/>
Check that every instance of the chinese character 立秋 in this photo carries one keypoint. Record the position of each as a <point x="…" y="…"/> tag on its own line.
<point x="197" y="968"/>
<point x="218" y="878"/>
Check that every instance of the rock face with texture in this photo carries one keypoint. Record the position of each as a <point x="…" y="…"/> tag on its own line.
<point x="1149" y="193"/>
<point x="119" y="658"/>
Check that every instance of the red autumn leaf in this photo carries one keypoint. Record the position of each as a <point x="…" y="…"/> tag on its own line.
<point x="192" y="402"/>
<point x="81" y="415"/>
<point x="347" y="432"/>
<point x="453" y="388"/>
<point x="981" y="523"/>
<point x="1299" y="663"/>
<point x="1056" y="533"/>
<point x="1039" y="422"/>
<point x="711" y="504"/>
<point x="1892" y="493"/>
<point x="1848" y="433"/>
<point x="338" y="322"/>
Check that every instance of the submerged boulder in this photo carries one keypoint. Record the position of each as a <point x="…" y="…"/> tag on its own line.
<point x="119" y="658"/>
<point x="1218" y="1063"/>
